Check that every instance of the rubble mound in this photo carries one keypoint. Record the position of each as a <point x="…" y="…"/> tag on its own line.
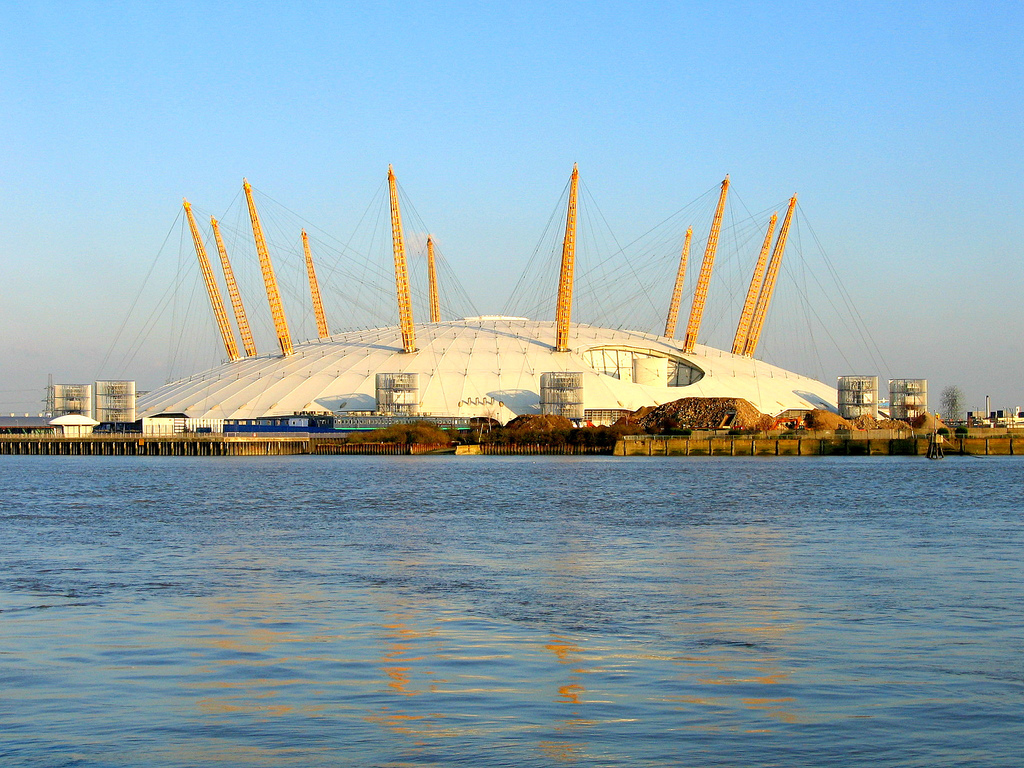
<point x="928" y="422"/>
<point x="704" y="413"/>
<point x="870" y="422"/>
<point x="891" y="424"/>
<point x="819" y="419"/>
<point x="535" y="423"/>
<point x="631" y="419"/>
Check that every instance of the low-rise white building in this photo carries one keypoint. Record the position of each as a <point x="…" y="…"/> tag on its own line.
<point x="74" y="425"/>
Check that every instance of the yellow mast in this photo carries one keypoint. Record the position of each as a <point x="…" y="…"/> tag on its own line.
<point x="284" y="338"/>
<point x="211" y="287"/>
<point x="765" y="297"/>
<point x="401" y="270"/>
<point x="236" y="299"/>
<point x="701" y="293"/>
<point x="743" y="329"/>
<point x="563" y="309"/>
<point x="435" y="301"/>
<point x="314" y="291"/>
<point x="677" y="290"/>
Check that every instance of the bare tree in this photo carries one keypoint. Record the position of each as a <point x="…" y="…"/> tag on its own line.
<point x="953" y="403"/>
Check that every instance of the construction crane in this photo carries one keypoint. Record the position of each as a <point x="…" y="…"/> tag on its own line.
<point x="211" y="287"/>
<point x="563" y="310"/>
<point x="700" y="294"/>
<point x="314" y="290"/>
<point x="401" y="270"/>
<point x="236" y="299"/>
<point x="284" y="338"/>
<point x="677" y="290"/>
<point x="765" y="297"/>
<point x="739" y="343"/>
<point x="435" y="301"/>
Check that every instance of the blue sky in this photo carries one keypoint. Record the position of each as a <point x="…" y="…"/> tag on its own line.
<point x="899" y="124"/>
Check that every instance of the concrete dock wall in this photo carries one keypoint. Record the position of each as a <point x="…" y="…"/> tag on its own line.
<point x="859" y="444"/>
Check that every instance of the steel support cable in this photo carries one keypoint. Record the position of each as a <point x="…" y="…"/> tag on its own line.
<point x="138" y="293"/>
<point x="360" y="268"/>
<point x="708" y="196"/>
<point x="584" y="277"/>
<point x="278" y="252"/>
<point x="859" y="329"/>
<point x="175" y="349"/>
<point x="858" y="320"/>
<point x="157" y="310"/>
<point x="324" y="249"/>
<point x="412" y="216"/>
<point x="308" y="225"/>
<point x="514" y="297"/>
<point x="450" y="288"/>
<point x="623" y="270"/>
<point x="291" y="283"/>
<point x="802" y="329"/>
<point x="820" y="371"/>
<point x="329" y="272"/>
<point x="618" y="248"/>
<point x="174" y="304"/>
<point x="825" y="328"/>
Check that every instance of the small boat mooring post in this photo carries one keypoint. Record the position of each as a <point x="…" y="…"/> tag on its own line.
<point x="935" y="442"/>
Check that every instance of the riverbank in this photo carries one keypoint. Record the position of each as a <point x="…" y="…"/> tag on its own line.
<point x="866" y="443"/>
<point x="822" y="443"/>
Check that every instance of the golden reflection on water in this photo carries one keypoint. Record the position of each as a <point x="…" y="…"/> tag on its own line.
<point x="242" y="628"/>
<point x="406" y="675"/>
<point x="397" y="662"/>
<point x="568" y="654"/>
<point x="742" y="651"/>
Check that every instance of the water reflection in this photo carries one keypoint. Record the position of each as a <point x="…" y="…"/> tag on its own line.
<point x="237" y="613"/>
<point x="250" y="661"/>
<point x="407" y="675"/>
<point x="571" y="725"/>
<point x="741" y="652"/>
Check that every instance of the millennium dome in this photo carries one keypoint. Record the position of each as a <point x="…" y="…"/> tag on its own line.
<point x="490" y="366"/>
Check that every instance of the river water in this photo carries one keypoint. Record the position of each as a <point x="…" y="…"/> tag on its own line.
<point x="486" y="611"/>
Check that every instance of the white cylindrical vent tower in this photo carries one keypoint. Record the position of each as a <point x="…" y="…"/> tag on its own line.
<point x="561" y="394"/>
<point x="908" y="398"/>
<point x="398" y="393"/>
<point x="650" y="371"/>
<point x="858" y="396"/>
<point x="114" y="401"/>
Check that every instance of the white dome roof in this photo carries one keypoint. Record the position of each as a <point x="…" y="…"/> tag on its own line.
<point x="73" y="420"/>
<point x="481" y="366"/>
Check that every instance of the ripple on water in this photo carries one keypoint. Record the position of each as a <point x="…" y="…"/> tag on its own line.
<point x="492" y="611"/>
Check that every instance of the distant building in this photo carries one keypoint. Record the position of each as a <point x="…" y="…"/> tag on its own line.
<point x="74" y="425"/>
<point x="114" y="401"/>
<point x="64" y="399"/>
<point x="106" y="401"/>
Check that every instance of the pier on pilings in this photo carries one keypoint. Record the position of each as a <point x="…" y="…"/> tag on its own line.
<point x="137" y="445"/>
<point x="204" y="445"/>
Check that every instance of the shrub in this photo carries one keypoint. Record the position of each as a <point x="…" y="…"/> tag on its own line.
<point x="417" y="432"/>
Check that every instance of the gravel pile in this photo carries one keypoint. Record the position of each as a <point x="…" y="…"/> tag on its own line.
<point x="704" y="413"/>
<point x="819" y="419"/>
